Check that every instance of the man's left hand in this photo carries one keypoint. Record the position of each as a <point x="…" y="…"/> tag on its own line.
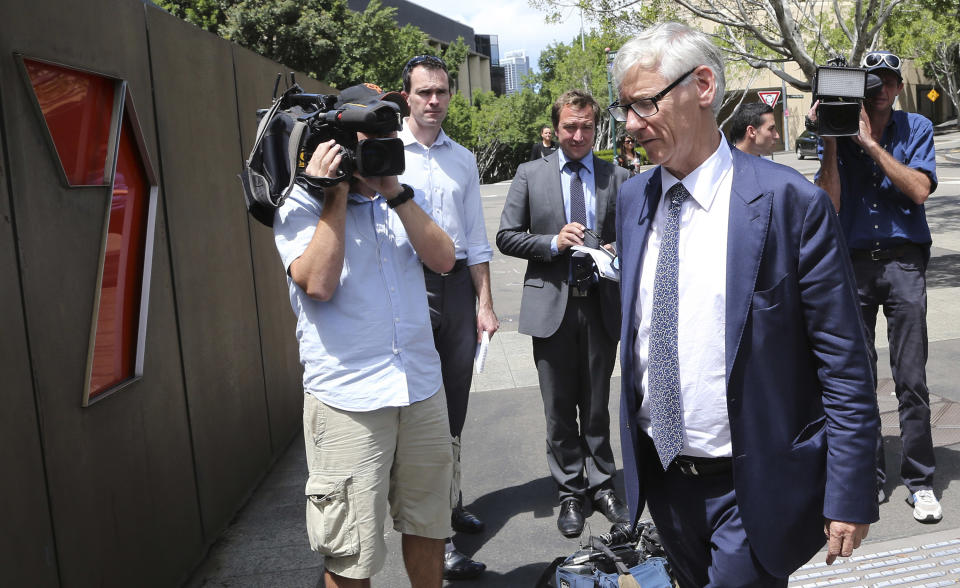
<point x="843" y="538"/>
<point x="486" y="321"/>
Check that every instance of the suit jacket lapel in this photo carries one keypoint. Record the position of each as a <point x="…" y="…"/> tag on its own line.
<point x="631" y="257"/>
<point x="746" y="233"/>
<point x="601" y="181"/>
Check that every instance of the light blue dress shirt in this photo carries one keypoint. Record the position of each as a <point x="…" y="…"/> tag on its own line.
<point x="445" y="175"/>
<point x="371" y="345"/>
<point x="589" y="192"/>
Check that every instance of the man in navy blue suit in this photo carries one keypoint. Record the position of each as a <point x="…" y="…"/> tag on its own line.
<point x="748" y="419"/>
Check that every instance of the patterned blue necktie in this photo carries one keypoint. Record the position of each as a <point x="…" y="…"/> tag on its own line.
<point x="578" y="204"/>
<point x="663" y="368"/>
<point x="581" y="268"/>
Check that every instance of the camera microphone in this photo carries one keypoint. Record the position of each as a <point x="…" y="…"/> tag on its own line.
<point x="384" y="118"/>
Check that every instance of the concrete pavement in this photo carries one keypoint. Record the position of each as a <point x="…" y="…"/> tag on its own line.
<point x="505" y="477"/>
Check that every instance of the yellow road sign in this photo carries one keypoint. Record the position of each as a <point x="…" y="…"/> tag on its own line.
<point x="933" y="95"/>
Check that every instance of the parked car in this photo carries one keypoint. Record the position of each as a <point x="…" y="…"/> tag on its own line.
<point x="806" y="145"/>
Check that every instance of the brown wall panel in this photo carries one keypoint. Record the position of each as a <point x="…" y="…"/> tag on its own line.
<point x="213" y="274"/>
<point x="120" y="475"/>
<point x="27" y="553"/>
<point x="281" y="364"/>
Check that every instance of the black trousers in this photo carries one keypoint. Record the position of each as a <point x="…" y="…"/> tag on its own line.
<point x="574" y="367"/>
<point x="453" y="316"/>
<point x="899" y="286"/>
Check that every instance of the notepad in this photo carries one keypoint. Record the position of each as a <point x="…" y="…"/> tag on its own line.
<point x="480" y="359"/>
<point x="604" y="261"/>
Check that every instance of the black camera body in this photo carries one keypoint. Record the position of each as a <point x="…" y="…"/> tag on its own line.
<point x="369" y="157"/>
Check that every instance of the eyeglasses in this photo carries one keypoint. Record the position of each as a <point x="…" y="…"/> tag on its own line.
<point x="628" y="140"/>
<point x="644" y="107"/>
<point x="422" y="59"/>
<point x="875" y="59"/>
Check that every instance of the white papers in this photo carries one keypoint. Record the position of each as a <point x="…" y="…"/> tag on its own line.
<point x="604" y="260"/>
<point x="480" y="359"/>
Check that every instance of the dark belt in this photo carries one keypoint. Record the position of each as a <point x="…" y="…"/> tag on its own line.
<point x="895" y="252"/>
<point x="459" y="265"/>
<point x="702" y="466"/>
<point x="578" y="292"/>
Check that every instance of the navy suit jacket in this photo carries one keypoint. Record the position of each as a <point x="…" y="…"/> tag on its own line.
<point x="800" y="391"/>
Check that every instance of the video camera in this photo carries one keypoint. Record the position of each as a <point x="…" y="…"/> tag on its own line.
<point x="297" y="122"/>
<point x="328" y="117"/>
<point x="841" y="91"/>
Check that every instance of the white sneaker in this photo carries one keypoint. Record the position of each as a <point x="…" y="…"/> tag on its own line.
<point x="926" y="509"/>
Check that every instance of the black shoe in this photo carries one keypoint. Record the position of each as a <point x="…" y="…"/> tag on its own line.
<point x="464" y="521"/>
<point x="457" y="566"/>
<point x="570" y="521"/>
<point x="612" y="508"/>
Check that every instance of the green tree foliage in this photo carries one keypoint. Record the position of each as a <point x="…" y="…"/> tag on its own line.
<point x="301" y="34"/>
<point x="581" y="65"/>
<point x="760" y="33"/>
<point x="459" y="122"/>
<point x="374" y="49"/>
<point x="928" y="31"/>
<point x="320" y="37"/>
<point x="206" y="14"/>
<point x="454" y="56"/>
<point x="504" y="128"/>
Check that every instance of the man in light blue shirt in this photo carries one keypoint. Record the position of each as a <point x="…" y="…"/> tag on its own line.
<point x="375" y="420"/>
<point x="461" y="306"/>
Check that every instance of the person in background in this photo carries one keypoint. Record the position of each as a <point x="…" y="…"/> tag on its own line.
<point x="627" y="157"/>
<point x="545" y="146"/>
<point x="878" y="181"/>
<point x="753" y="129"/>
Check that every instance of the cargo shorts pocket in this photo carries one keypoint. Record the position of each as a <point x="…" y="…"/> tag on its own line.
<point x="331" y="516"/>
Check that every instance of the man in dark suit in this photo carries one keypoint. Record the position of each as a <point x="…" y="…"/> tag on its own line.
<point x="748" y="421"/>
<point x="570" y="313"/>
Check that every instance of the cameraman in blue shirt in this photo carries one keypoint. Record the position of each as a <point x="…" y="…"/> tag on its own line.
<point x="878" y="181"/>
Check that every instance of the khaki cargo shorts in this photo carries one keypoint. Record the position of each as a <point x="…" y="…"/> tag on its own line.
<point x="362" y="462"/>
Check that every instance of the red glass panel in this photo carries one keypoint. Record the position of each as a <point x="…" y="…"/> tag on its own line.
<point x="118" y="320"/>
<point x="77" y="107"/>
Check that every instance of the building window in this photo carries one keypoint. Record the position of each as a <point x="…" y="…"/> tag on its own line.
<point x="77" y="107"/>
<point x="121" y="285"/>
<point x="96" y="137"/>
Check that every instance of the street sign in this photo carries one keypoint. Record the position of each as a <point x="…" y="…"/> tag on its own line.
<point x="769" y="98"/>
<point x="795" y="96"/>
<point x="933" y="95"/>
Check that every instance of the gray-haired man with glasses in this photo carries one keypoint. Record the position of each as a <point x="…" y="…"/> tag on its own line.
<point x="747" y="418"/>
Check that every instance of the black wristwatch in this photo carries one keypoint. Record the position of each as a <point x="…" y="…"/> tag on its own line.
<point x="403" y="196"/>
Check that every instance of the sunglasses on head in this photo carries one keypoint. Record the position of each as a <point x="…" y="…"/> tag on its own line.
<point x="422" y="59"/>
<point x="875" y="59"/>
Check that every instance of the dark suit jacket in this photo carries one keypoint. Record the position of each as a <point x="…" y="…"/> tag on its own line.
<point x="800" y="393"/>
<point x="532" y="215"/>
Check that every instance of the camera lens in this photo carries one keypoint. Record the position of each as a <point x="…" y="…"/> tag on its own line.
<point x="380" y="157"/>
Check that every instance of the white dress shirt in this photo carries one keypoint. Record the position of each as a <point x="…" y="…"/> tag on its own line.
<point x="701" y="322"/>
<point x="445" y="174"/>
